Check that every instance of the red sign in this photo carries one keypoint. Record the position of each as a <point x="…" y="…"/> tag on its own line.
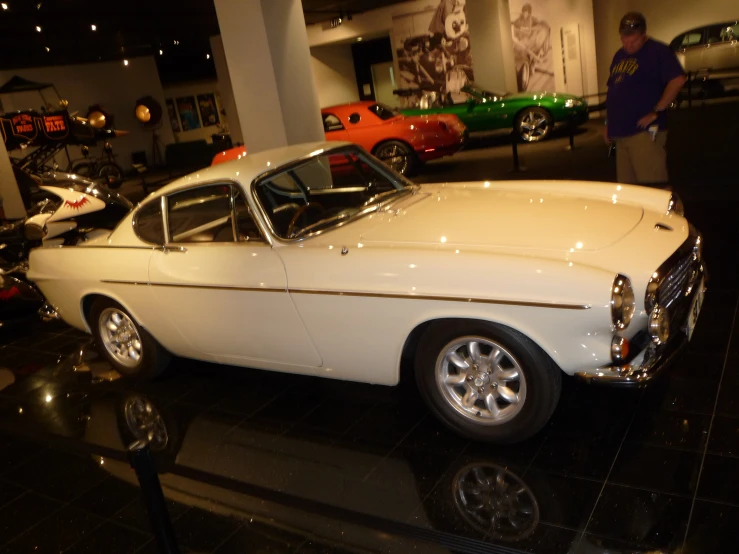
<point x="23" y="126"/>
<point x="55" y="126"/>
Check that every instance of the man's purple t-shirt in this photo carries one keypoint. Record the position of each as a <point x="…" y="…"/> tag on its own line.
<point x="636" y="84"/>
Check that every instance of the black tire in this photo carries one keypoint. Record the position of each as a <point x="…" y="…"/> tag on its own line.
<point x="537" y="114"/>
<point x="541" y="377"/>
<point x="84" y="169"/>
<point x="412" y="163"/>
<point x="153" y="358"/>
<point x="111" y="174"/>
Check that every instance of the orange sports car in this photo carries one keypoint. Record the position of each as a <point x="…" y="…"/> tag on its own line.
<point x="401" y="141"/>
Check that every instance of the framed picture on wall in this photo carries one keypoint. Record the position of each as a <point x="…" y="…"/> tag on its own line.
<point x="187" y="108"/>
<point x="208" y="109"/>
<point x="174" y="121"/>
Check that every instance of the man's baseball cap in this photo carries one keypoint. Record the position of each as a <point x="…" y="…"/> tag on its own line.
<point x="631" y="23"/>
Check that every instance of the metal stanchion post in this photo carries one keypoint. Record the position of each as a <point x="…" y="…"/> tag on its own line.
<point x="142" y="462"/>
<point x="517" y="167"/>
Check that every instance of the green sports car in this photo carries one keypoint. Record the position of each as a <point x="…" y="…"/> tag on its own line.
<point x="532" y="115"/>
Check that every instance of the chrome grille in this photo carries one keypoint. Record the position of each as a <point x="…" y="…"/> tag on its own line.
<point x="676" y="281"/>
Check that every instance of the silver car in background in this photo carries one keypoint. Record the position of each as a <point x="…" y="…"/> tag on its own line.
<point x="712" y="51"/>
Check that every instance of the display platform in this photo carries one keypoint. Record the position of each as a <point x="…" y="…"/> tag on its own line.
<point x="251" y="461"/>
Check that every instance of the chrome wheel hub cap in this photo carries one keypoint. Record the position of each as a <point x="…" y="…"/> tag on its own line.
<point x="495" y="501"/>
<point x="394" y="157"/>
<point x="534" y="126"/>
<point x="481" y="380"/>
<point x="120" y="337"/>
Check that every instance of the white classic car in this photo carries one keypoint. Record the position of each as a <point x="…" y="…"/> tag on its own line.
<point x="318" y="259"/>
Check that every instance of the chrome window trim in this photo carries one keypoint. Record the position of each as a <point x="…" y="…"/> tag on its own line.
<point x="135" y="218"/>
<point x="233" y="184"/>
<point x="165" y="218"/>
<point x="269" y="174"/>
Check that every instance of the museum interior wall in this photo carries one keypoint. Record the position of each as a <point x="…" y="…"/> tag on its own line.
<point x="664" y="22"/>
<point x="115" y="86"/>
<point x="333" y="74"/>
<point x="485" y="31"/>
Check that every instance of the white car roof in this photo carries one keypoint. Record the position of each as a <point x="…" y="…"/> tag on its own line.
<point x="249" y="167"/>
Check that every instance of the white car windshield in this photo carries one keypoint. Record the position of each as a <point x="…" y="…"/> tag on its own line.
<point x="327" y="191"/>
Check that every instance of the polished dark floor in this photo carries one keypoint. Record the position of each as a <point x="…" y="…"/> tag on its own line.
<point x="272" y="463"/>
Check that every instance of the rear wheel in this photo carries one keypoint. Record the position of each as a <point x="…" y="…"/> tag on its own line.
<point x="399" y="156"/>
<point x="84" y="169"/>
<point x="111" y="174"/>
<point x="486" y="382"/>
<point x="534" y="124"/>
<point x="127" y="346"/>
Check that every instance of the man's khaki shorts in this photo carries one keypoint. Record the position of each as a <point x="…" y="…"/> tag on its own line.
<point x="641" y="160"/>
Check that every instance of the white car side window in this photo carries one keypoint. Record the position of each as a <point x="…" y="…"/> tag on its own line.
<point x="148" y="224"/>
<point x="202" y="214"/>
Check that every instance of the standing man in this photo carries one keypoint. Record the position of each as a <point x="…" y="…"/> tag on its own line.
<point x="645" y="79"/>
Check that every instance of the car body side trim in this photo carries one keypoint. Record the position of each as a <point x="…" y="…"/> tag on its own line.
<point x="401" y="296"/>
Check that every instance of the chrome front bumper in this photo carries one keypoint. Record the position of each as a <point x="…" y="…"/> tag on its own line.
<point x="654" y="359"/>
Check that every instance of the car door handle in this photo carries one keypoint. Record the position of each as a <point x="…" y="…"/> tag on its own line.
<point x="168" y="249"/>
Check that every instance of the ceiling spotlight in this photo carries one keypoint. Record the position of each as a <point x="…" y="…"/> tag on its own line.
<point x="359" y="39"/>
<point x="176" y="42"/>
<point x="207" y="56"/>
<point x="38" y="29"/>
<point x="125" y="62"/>
<point x="38" y="5"/>
<point x="4" y="6"/>
<point x="161" y="52"/>
<point x="94" y="27"/>
<point x="47" y="48"/>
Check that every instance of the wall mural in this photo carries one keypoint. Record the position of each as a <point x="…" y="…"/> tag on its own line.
<point x="532" y="44"/>
<point x="208" y="109"/>
<point x="433" y="50"/>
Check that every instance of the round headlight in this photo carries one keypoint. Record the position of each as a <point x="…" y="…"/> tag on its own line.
<point x="623" y="302"/>
<point x="659" y="325"/>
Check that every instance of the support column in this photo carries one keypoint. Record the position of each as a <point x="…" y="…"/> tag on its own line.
<point x="12" y="201"/>
<point x="226" y="89"/>
<point x="268" y="58"/>
<point x="492" y="45"/>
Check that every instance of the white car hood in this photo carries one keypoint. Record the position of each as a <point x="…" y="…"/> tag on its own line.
<point x="475" y="216"/>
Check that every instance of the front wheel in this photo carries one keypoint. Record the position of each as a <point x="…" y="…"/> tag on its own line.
<point x="127" y="346"/>
<point x="486" y="382"/>
<point x="534" y="124"/>
<point x="399" y="156"/>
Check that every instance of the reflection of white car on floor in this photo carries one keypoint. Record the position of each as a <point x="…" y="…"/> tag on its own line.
<point x="318" y="259"/>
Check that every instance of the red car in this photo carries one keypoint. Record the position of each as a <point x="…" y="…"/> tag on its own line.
<point x="401" y="141"/>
